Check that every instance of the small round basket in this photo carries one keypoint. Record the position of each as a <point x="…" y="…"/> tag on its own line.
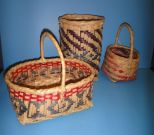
<point x="43" y="89"/>
<point x="121" y="62"/>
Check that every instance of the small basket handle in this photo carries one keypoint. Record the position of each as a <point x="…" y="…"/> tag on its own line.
<point x="128" y="26"/>
<point x="50" y="35"/>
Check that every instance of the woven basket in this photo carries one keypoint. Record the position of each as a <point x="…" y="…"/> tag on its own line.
<point x="43" y="89"/>
<point x="81" y="37"/>
<point x="120" y="62"/>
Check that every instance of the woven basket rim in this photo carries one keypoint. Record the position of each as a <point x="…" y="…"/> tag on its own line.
<point x="46" y="90"/>
<point x="77" y="21"/>
<point x="122" y="46"/>
<point x="81" y="17"/>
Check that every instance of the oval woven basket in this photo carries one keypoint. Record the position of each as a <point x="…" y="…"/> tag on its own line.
<point x="43" y="89"/>
<point x="121" y="62"/>
<point x="81" y="37"/>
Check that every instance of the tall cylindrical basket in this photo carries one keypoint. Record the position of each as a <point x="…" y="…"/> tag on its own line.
<point x="81" y="37"/>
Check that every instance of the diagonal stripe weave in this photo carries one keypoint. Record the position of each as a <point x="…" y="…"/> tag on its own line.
<point x="81" y="37"/>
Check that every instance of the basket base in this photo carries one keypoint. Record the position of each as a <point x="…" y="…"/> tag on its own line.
<point x="83" y="107"/>
<point x="114" y="78"/>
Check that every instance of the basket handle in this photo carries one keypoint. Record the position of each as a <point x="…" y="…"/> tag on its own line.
<point x="128" y="26"/>
<point x="50" y="35"/>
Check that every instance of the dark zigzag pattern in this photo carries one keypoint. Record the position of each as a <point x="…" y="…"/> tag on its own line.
<point x="71" y="42"/>
<point x="77" y="56"/>
<point x="92" y="36"/>
<point x="99" y="32"/>
<point x="95" y="57"/>
<point x="82" y="40"/>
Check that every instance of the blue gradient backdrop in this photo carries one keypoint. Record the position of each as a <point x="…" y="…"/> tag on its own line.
<point x="21" y="22"/>
<point x="121" y="108"/>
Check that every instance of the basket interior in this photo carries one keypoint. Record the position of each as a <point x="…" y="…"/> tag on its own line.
<point x="123" y="52"/>
<point x="43" y="75"/>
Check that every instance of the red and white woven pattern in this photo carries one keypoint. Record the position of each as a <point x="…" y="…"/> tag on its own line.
<point x="48" y="64"/>
<point x="54" y="96"/>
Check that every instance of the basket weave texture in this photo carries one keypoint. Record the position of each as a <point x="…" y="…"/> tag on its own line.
<point x="42" y="89"/>
<point x="121" y="62"/>
<point x="81" y="37"/>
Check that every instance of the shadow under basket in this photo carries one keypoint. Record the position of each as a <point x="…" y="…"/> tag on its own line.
<point x="47" y="88"/>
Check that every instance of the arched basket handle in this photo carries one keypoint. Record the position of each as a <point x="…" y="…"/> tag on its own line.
<point x="128" y="26"/>
<point x="46" y="33"/>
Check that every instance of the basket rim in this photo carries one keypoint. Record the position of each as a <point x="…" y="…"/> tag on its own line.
<point x="126" y="47"/>
<point x="78" y="24"/>
<point x="46" y="90"/>
<point x="81" y="17"/>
